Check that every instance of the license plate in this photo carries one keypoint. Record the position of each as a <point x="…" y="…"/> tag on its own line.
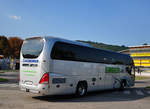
<point x="28" y="82"/>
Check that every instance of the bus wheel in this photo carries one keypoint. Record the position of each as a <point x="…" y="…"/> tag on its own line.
<point x="81" y="89"/>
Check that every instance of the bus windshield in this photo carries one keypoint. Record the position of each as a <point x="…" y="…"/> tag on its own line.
<point x="32" y="48"/>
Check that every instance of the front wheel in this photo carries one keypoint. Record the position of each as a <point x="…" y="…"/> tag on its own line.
<point x="81" y="90"/>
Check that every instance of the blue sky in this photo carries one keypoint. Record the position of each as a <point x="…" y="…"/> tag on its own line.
<point x="117" y="22"/>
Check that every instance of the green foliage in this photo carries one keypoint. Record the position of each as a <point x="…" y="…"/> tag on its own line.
<point x="4" y="46"/>
<point x="15" y="46"/>
<point x="10" y="47"/>
<point x="3" y="80"/>
<point x="147" y="87"/>
<point x="105" y="46"/>
<point x="145" y="44"/>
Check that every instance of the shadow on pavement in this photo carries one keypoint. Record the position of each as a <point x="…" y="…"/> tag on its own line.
<point x="100" y="96"/>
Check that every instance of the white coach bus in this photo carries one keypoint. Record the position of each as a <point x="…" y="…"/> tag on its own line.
<point x="52" y="66"/>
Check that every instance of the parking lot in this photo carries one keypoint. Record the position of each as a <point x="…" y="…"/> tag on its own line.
<point x="132" y="98"/>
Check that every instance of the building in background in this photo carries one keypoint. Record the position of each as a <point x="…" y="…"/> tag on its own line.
<point x="140" y="55"/>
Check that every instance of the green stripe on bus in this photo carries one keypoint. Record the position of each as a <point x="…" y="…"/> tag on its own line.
<point x="29" y="74"/>
<point x="112" y="70"/>
<point x="29" y="71"/>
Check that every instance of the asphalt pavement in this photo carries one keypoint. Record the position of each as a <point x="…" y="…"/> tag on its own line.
<point x="131" y="98"/>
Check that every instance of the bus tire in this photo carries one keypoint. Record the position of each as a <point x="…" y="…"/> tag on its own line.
<point x="81" y="89"/>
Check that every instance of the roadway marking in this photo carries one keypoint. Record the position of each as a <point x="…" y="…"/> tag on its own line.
<point x="139" y="92"/>
<point x="126" y="92"/>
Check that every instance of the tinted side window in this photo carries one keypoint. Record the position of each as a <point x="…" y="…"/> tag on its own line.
<point x="62" y="51"/>
<point x="65" y="51"/>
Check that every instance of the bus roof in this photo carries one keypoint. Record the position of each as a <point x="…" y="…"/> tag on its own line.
<point x="61" y="39"/>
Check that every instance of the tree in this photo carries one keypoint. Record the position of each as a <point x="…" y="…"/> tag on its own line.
<point x="15" y="46"/>
<point x="4" y="46"/>
<point x="145" y="44"/>
<point x="105" y="46"/>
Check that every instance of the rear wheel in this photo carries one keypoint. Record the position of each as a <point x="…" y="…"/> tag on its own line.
<point x="81" y="89"/>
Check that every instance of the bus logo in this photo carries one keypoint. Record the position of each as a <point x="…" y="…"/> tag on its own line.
<point x="31" y="61"/>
